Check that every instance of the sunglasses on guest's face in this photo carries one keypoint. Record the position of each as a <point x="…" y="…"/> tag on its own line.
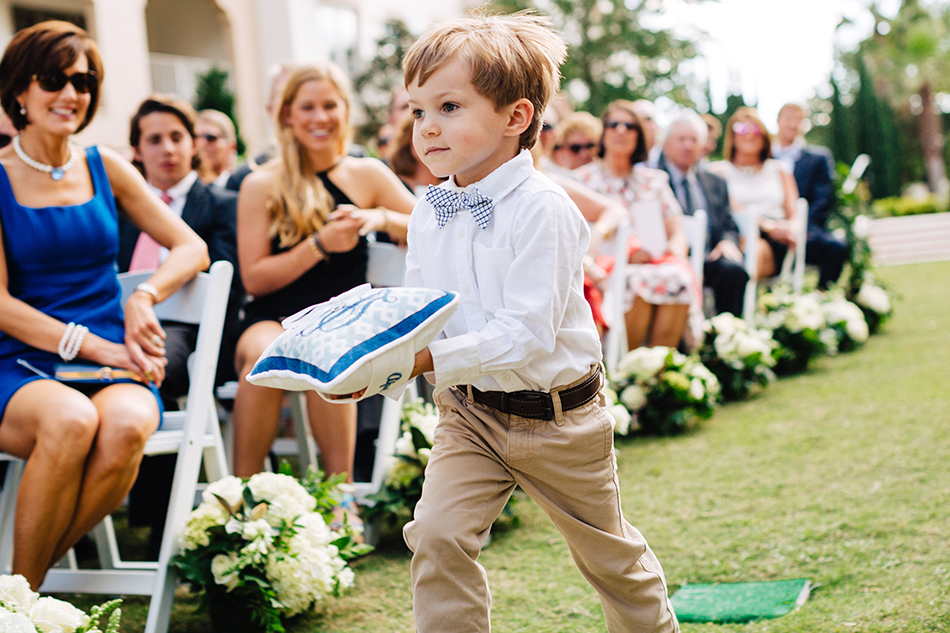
<point x="577" y="148"/>
<point x="210" y="138"/>
<point x="741" y="128"/>
<point x="546" y="127"/>
<point x="613" y="125"/>
<point x="54" y="82"/>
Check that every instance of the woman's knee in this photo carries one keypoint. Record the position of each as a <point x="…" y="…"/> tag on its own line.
<point x="252" y="344"/>
<point x="69" y="429"/>
<point x="125" y="426"/>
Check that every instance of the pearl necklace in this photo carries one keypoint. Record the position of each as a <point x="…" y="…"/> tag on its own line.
<point x="56" y="173"/>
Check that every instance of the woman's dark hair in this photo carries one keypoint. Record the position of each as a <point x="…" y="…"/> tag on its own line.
<point x="402" y="161"/>
<point x="640" y="152"/>
<point x="169" y="104"/>
<point x="47" y="47"/>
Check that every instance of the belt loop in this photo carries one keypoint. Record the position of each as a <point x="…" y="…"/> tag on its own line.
<point x="558" y="413"/>
<point x="469" y="396"/>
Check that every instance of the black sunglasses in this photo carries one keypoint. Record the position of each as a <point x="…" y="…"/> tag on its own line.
<point x="613" y="125"/>
<point x="210" y="138"/>
<point x="54" y="82"/>
<point x="546" y="127"/>
<point x="577" y="148"/>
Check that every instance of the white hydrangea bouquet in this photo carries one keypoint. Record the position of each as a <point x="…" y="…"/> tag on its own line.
<point x="874" y="302"/>
<point x="402" y="489"/>
<point x="396" y="500"/>
<point x="797" y="324"/>
<point x="624" y="422"/>
<point x="22" y="610"/>
<point x="262" y="549"/>
<point x="665" y="390"/>
<point x="846" y="321"/>
<point x="741" y="356"/>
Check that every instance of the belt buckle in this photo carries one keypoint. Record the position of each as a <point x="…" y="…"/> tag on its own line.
<point x="539" y="401"/>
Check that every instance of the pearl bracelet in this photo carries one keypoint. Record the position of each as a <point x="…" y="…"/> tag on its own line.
<point x="71" y="342"/>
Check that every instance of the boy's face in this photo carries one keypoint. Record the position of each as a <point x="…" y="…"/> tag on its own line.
<point x="458" y="131"/>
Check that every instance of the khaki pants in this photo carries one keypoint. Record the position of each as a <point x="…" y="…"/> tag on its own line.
<point x="567" y="467"/>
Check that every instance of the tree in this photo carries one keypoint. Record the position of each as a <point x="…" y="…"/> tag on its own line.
<point x="613" y="54"/>
<point x="212" y="93"/>
<point x="384" y="73"/>
<point x="907" y="56"/>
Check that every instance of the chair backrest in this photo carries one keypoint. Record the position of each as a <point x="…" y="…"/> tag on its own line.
<point x="386" y="266"/>
<point x="696" y="228"/>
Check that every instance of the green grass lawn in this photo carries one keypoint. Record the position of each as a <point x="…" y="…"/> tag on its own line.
<point x="839" y="475"/>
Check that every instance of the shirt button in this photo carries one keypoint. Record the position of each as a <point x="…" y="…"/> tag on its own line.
<point x="460" y="232"/>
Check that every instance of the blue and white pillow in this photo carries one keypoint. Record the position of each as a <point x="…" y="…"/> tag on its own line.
<point x="364" y="338"/>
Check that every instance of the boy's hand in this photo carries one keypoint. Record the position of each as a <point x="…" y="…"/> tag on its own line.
<point x="423" y="363"/>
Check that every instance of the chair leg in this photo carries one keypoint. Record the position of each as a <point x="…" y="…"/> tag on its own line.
<point x="11" y="483"/>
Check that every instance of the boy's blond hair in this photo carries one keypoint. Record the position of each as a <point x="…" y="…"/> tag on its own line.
<point x="511" y="57"/>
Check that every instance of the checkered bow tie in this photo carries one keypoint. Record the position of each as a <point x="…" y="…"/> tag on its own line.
<point x="447" y="203"/>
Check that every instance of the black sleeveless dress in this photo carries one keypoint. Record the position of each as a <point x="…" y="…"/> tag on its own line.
<point x="327" y="279"/>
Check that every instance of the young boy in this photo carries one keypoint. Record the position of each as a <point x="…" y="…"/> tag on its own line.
<point x="518" y="375"/>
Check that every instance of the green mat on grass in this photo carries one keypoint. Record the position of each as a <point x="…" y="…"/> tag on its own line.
<point x="739" y="601"/>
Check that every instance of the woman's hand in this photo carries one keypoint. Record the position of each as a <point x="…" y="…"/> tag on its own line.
<point x="144" y="337"/>
<point x="782" y="232"/>
<point x="342" y="233"/>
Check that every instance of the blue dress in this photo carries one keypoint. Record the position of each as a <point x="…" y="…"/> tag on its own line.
<point x="61" y="261"/>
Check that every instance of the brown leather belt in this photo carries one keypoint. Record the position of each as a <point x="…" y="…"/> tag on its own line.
<point x="537" y="405"/>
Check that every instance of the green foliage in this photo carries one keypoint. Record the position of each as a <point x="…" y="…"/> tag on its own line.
<point x="614" y="54"/>
<point x="905" y="205"/>
<point x="212" y="93"/>
<point x="383" y="74"/>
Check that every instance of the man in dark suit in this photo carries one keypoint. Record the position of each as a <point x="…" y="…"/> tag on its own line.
<point x="162" y="137"/>
<point x="812" y="166"/>
<point x="698" y="189"/>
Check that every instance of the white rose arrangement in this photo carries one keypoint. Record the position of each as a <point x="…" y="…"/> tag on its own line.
<point x="22" y="610"/>
<point x="873" y="301"/>
<point x="845" y="322"/>
<point x="663" y="390"/>
<point x="266" y="542"/>
<point x="741" y="356"/>
<point x="797" y="325"/>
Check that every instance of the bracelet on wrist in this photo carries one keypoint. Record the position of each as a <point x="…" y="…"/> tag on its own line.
<point x="71" y="341"/>
<point x="149" y="289"/>
<point x="316" y="245"/>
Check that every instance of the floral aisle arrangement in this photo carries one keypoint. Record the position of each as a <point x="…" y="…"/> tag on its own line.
<point x="874" y="302"/>
<point x="741" y="356"/>
<point x="624" y="422"/>
<point x="396" y="500"/>
<point x="22" y="610"/>
<point x="846" y="321"/>
<point x="666" y="391"/>
<point x="797" y="324"/>
<point x="262" y="550"/>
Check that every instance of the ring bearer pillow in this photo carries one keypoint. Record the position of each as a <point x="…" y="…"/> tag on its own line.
<point x="364" y="338"/>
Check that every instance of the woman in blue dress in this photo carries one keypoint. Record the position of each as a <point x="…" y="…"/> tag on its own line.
<point x="60" y="298"/>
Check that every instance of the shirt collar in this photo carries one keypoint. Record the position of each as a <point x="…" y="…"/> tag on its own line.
<point x="503" y="180"/>
<point x="789" y="152"/>
<point x="676" y="175"/>
<point x="179" y="189"/>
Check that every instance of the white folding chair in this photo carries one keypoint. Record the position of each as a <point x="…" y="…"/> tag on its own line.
<point x="695" y="226"/>
<point x="793" y="266"/>
<point x="193" y="434"/>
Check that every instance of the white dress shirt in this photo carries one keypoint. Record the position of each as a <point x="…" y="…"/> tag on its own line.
<point x="178" y="193"/>
<point x="523" y="322"/>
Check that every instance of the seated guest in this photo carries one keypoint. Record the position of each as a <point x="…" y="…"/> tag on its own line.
<point x="696" y="188"/>
<point x="811" y="166"/>
<point x="664" y="288"/>
<point x="162" y="135"/>
<point x="216" y="142"/>
<point x="576" y="138"/>
<point x="761" y="185"/>
<point x="646" y="112"/>
<point x="60" y="300"/>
